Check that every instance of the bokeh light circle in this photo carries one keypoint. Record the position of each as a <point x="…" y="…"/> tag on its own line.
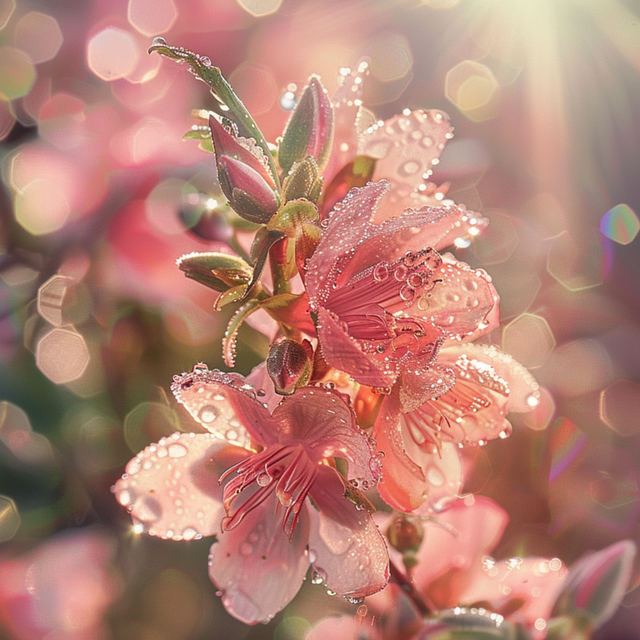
<point x="112" y="53"/>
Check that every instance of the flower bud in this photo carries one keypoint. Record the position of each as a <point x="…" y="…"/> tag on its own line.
<point x="309" y="131"/>
<point x="596" y="583"/>
<point x="218" y="271"/>
<point x="405" y="535"/>
<point x="289" y="365"/>
<point x="244" y="178"/>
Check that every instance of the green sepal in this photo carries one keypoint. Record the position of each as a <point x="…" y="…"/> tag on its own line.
<point x="299" y="220"/>
<point x="303" y="181"/>
<point x="231" y="334"/>
<point x="218" y="271"/>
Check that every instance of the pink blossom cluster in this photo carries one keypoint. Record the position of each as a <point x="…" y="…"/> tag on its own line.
<point x="379" y="374"/>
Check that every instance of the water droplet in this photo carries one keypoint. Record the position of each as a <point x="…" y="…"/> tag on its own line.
<point x="427" y="141"/>
<point x="124" y="498"/>
<point x="355" y="600"/>
<point x="400" y="273"/>
<point x="201" y="367"/>
<point x="380" y="272"/>
<point x="177" y="450"/>
<point x="287" y="100"/>
<point x="208" y="413"/>
<point x="261" y="393"/>
<point x="533" y="399"/>
<point x="189" y="533"/>
<point x="231" y="435"/>
<point x="205" y="61"/>
<point x="409" y="168"/>
<point x="246" y="549"/>
<point x="312" y="556"/>
<point x="318" y="576"/>
<point x="407" y="293"/>
<point x="159" y="42"/>
<point x="362" y="610"/>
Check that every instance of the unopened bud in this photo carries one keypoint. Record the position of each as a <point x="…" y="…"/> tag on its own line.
<point x="244" y="179"/>
<point x="309" y="131"/>
<point x="289" y="365"/>
<point x="405" y="535"/>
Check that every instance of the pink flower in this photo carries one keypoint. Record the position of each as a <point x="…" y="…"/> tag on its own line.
<point x="454" y="567"/>
<point x="245" y="478"/>
<point x="385" y="300"/>
<point x="61" y="589"/>
<point x="419" y="437"/>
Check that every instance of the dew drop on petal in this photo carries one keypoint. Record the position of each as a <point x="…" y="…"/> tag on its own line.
<point x="246" y="549"/>
<point x="208" y="413"/>
<point x="177" y="450"/>
<point x="380" y="272"/>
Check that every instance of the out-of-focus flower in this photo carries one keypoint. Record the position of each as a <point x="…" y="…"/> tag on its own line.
<point x="61" y="589"/>
<point x="385" y="300"/>
<point x="180" y="489"/>
<point x="419" y="438"/>
<point x="596" y="584"/>
<point x="454" y="568"/>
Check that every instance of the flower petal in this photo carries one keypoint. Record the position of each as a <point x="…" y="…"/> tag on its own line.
<point x="407" y="147"/>
<point x="345" y="547"/>
<point x="434" y="227"/>
<point x="256" y="566"/>
<point x="323" y="421"/>
<point x="524" y="587"/>
<point x="226" y="405"/>
<point x="460" y="537"/>
<point x="524" y="391"/>
<point x="461" y="300"/>
<point x="402" y="485"/>
<point x="171" y="488"/>
<point x="443" y="476"/>
<point x="345" y="228"/>
<point x="344" y="353"/>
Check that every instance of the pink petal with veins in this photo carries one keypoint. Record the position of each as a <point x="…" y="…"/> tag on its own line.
<point x="345" y="547"/>
<point x="344" y="353"/>
<point x="171" y="488"/>
<point x="324" y="423"/>
<point x="258" y="569"/>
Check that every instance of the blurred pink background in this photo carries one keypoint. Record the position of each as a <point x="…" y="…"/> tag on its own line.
<point x="95" y="318"/>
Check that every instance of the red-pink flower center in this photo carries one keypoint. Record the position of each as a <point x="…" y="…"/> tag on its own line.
<point x="286" y="469"/>
<point x="373" y="303"/>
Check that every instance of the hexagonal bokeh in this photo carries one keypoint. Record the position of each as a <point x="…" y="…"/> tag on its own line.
<point x="620" y="224"/>
<point x="529" y="339"/>
<point x="498" y="241"/>
<point x="259" y="8"/>
<point x="612" y="493"/>
<point x="9" y="519"/>
<point x="39" y="36"/>
<point x="620" y="407"/>
<point x="62" y="355"/>
<point x="575" y="271"/>
<point x="256" y="86"/>
<point x="152" y="17"/>
<point x="17" y="73"/>
<point x="51" y="298"/>
<point x="473" y="89"/>
<point x="112" y="53"/>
